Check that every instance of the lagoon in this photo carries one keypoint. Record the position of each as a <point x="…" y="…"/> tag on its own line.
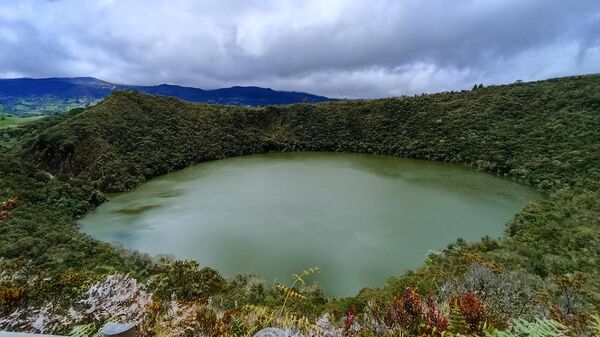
<point x="360" y="218"/>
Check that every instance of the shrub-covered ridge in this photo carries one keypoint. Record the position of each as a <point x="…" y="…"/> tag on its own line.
<point x="546" y="134"/>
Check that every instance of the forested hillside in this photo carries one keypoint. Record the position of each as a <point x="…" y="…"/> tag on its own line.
<point x="546" y="134"/>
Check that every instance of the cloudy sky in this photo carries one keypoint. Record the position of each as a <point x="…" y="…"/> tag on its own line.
<point x="353" y="48"/>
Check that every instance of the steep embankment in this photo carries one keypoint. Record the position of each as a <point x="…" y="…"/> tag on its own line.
<point x="546" y="134"/>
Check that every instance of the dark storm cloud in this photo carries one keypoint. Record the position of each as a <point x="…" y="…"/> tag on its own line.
<point x="369" y="48"/>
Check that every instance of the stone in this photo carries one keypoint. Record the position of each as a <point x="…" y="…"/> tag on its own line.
<point x="119" y="330"/>
<point x="271" y="332"/>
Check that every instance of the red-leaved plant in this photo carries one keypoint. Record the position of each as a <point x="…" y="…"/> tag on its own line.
<point x="409" y="312"/>
<point x="473" y="311"/>
<point x="6" y="206"/>
<point x="349" y="320"/>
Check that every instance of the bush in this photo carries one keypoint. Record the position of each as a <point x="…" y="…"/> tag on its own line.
<point x="184" y="280"/>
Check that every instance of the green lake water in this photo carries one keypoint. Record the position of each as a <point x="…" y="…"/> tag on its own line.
<point x="360" y="218"/>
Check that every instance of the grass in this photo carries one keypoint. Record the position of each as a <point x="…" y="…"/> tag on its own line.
<point x="11" y="121"/>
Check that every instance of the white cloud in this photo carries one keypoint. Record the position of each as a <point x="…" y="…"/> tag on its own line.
<point x="353" y="48"/>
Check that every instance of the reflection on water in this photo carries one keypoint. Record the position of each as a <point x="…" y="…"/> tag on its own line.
<point x="361" y="218"/>
<point x="137" y="210"/>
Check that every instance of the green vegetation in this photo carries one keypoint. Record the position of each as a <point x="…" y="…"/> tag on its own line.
<point x="541" y="328"/>
<point x="42" y="105"/>
<point x="8" y="121"/>
<point x="546" y="134"/>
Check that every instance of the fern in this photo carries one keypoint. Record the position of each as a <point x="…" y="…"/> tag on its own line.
<point x="238" y="328"/>
<point x="265" y="317"/>
<point x="290" y="291"/>
<point x="595" y="325"/>
<point x="456" y="322"/>
<point x="537" y="328"/>
<point x="86" y="330"/>
<point x="93" y="329"/>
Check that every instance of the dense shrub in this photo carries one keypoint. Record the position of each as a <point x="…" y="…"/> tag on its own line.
<point x="183" y="280"/>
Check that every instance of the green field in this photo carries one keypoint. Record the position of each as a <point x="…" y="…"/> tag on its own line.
<point x="41" y="105"/>
<point x="9" y="121"/>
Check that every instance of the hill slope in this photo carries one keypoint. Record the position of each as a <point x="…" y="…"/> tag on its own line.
<point x="25" y="96"/>
<point x="545" y="134"/>
<point x="9" y="121"/>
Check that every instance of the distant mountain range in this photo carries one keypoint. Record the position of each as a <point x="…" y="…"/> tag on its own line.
<point x="27" y="96"/>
